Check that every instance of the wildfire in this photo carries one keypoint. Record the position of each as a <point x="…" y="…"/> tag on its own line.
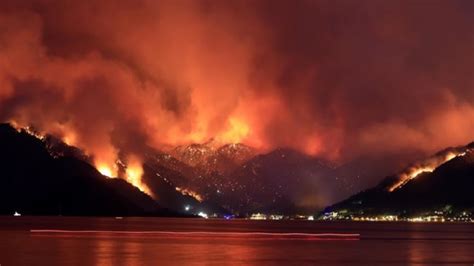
<point x="106" y="170"/>
<point x="27" y="129"/>
<point x="134" y="173"/>
<point x="237" y="131"/>
<point x="34" y="133"/>
<point x="188" y="192"/>
<point x="428" y="166"/>
<point x="70" y="139"/>
<point x="105" y="164"/>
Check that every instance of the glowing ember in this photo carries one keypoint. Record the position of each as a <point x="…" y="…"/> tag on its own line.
<point x="27" y="129"/>
<point x="427" y="166"/>
<point x="188" y="192"/>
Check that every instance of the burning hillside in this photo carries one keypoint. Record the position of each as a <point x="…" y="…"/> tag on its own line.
<point x="441" y="185"/>
<point x="428" y="165"/>
<point x="36" y="182"/>
<point x="131" y="171"/>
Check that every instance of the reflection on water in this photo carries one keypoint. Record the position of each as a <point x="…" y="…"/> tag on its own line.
<point x="415" y="249"/>
<point x="380" y="243"/>
<point x="104" y="250"/>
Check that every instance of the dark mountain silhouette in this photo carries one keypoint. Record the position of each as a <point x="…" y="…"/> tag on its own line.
<point x="49" y="177"/>
<point x="160" y="174"/>
<point x="448" y="186"/>
<point x="34" y="182"/>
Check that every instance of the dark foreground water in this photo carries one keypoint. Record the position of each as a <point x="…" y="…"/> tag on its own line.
<point x="163" y="241"/>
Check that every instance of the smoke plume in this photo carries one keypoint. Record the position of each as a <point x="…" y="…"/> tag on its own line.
<point x="337" y="79"/>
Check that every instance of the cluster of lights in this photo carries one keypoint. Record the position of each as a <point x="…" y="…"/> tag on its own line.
<point x="386" y="218"/>
<point x="188" y="208"/>
<point x="261" y="216"/>
<point x="436" y="217"/>
<point x="203" y="215"/>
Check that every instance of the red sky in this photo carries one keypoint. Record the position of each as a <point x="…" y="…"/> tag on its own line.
<point x="338" y="79"/>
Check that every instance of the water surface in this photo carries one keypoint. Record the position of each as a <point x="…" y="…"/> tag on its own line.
<point x="183" y="241"/>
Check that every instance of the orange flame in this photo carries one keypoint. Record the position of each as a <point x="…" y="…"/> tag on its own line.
<point x="428" y="166"/>
<point x="27" y="129"/>
<point x="134" y="173"/>
<point x="106" y="170"/>
<point x="106" y="165"/>
<point x="188" y="192"/>
<point x="237" y="131"/>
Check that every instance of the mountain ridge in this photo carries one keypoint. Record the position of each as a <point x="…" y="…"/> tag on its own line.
<point x="444" y="184"/>
<point x="33" y="182"/>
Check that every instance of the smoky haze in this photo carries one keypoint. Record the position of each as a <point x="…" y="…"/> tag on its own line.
<point x="336" y="79"/>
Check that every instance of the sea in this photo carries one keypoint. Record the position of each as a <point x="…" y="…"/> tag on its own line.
<point x="191" y="241"/>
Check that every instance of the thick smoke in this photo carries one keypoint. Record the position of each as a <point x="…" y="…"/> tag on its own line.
<point x="338" y="79"/>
